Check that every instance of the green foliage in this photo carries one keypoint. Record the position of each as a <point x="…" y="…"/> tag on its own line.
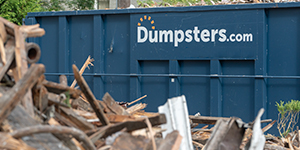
<point x="16" y="10"/>
<point x="149" y="2"/>
<point x="67" y="100"/>
<point x="58" y="5"/>
<point x="81" y="4"/>
<point x="52" y="5"/>
<point x="288" y="115"/>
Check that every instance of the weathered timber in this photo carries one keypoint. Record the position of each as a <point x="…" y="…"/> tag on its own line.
<point x="88" y="62"/>
<point x="7" y="142"/>
<point x="11" y="98"/>
<point x="119" y="118"/>
<point x="111" y="117"/>
<point x="90" y="96"/>
<point x="112" y="105"/>
<point x="79" y="103"/>
<point x="19" y="119"/>
<point x="63" y="80"/>
<point x="3" y="37"/>
<point x="7" y="66"/>
<point x="125" y="141"/>
<point x="22" y="67"/>
<point x="59" y="88"/>
<point x="171" y="142"/>
<point x="206" y="119"/>
<point x="65" y="121"/>
<point x="274" y="147"/>
<point x="129" y="125"/>
<point x="54" y="99"/>
<point x="67" y="140"/>
<point x="40" y="97"/>
<point x="32" y="30"/>
<point x="79" y="135"/>
<point x="80" y="122"/>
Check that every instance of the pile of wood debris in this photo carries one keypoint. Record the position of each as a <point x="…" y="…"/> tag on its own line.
<point x="40" y="114"/>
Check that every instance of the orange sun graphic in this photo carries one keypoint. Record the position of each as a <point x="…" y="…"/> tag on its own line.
<point x="146" y="18"/>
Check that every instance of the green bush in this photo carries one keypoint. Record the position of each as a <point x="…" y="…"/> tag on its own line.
<point x="16" y="10"/>
<point x="288" y="115"/>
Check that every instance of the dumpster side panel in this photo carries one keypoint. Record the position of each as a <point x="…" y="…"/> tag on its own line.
<point x="283" y="57"/>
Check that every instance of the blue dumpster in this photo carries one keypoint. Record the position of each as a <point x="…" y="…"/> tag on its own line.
<point x="227" y="60"/>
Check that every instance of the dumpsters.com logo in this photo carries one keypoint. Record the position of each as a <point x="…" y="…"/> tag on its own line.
<point x="194" y="34"/>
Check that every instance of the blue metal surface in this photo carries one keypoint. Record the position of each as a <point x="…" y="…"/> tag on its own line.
<point x="227" y="60"/>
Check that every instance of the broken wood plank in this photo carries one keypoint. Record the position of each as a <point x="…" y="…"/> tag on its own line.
<point x="7" y="66"/>
<point x="125" y="141"/>
<point x="112" y="105"/>
<point x="2" y="51"/>
<point x="137" y="100"/>
<point x="88" y="62"/>
<point x="206" y="119"/>
<point x="272" y="147"/>
<point x="40" y="97"/>
<point x="11" y="98"/>
<point x="129" y="125"/>
<point x="171" y="142"/>
<point x="7" y="142"/>
<point x="59" y="88"/>
<point x="19" y="119"/>
<point x="91" y="116"/>
<point x="54" y="99"/>
<point x="79" y="135"/>
<point x="72" y="144"/>
<point x="79" y="121"/>
<point x="32" y="30"/>
<point x="90" y="96"/>
<point x="64" y="120"/>
<point x="79" y="103"/>
<point x="63" y="80"/>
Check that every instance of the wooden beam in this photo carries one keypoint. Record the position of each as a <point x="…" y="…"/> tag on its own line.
<point x="206" y="119"/>
<point x="7" y="142"/>
<point x="79" y="135"/>
<point x="59" y="88"/>
<point x="90" y="96"/>
<point x="19" y="119"/>
<point x="171" y="142"/>
<point x="126" y="141"/>
<point x="70" y="142"/>
<point x="112" y="105"/>
<point x="80" y="122"/>
<point x="129" y="125"/>
<point x="10" y="61"/>
<point x="11" y="98"/>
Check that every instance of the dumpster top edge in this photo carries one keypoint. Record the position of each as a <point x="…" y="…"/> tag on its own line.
<point x="166" y="9"/>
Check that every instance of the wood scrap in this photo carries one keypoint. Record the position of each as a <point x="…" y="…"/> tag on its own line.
<point x="11" y="99"/>
<point x="79" y="121"/>
<point x="70" y="142"/>
<point x="171" y="142"/>
<point x="88" y="62"/>
<point x="112" y="105"/>
<point x="59" y="88"/>
<point x="137" y="100"/>
<point x="7" y="142"/>
<point x="125" y="141"/>
<point x="90" y="97"/>
<point x="79" y="135"/>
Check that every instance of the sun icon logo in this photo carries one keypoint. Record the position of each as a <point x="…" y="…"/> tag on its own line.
<point x="146" y="18"/>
